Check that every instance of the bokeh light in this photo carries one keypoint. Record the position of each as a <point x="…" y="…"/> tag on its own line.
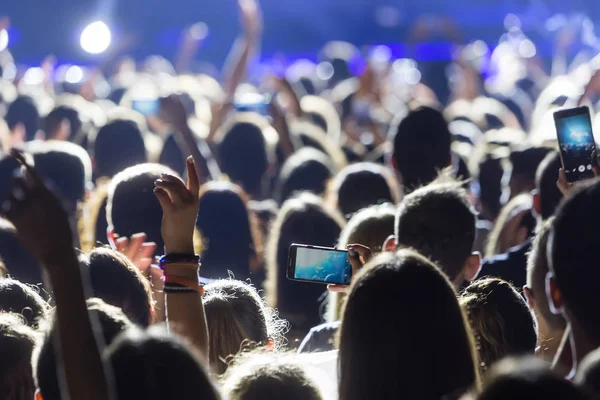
<point x="95" y="38"/>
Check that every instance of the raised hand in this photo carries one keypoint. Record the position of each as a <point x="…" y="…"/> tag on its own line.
<point x="251" y="18"/>
<point x="180" y="208"/>
<point x="358" y="255"/>
<point x="137" y="250"/>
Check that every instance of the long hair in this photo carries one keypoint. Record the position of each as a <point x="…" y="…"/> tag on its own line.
<point x="403" y="334"/>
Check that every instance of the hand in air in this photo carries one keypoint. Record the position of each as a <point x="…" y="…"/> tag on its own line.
<point x="41" y="221"/>
<point x="173" y="112"/>
<point x="251" y="18"/>
<point x="137" y="250"/>
<point x="565" y="186"/>
<point x="358" y="255"/>
<point x="180" y="208"/>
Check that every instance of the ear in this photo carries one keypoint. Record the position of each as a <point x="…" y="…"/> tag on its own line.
<point x="38" y="395"/>
<point x="391" y="244"/>
<point x="555" y="301"/>
<point x="537" y="203"/>
<point x="111" y="236"/>
<point x="529" y="296"/>
<point x="472" y="266"/>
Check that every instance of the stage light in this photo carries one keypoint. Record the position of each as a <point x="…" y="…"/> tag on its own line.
<point x="325" y="71"/>
<point x="527" y="49"/>
<point x="74" y="74"/>
<point x="34" y="76"/>
<point x="95" y="38"/>
<point x="199" y="31"/>
<point x="3" y="39"/>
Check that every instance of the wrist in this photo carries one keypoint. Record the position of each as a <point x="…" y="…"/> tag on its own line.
<point x="179" y="249"/>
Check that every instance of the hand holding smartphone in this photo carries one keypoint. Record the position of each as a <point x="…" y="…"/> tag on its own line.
<point x="319" y="265"/>
<point x="577" y="144"/>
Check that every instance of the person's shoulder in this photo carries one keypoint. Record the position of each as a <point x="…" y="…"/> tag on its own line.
<point x="514" y="254"/>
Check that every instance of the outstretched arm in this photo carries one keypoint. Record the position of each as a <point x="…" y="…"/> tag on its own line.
<point x="43" y="227"/>
<point x="185" y="311"/>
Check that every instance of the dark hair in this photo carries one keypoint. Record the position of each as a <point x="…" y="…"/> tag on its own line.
<point x="546" y="178"/>
<point x="16" y="345"/>
<point x="230" y="237"/>
<point x="306" y="170"/>
<point x="155" y="365"/>
<point x="537" y="269"/>
<point x="236" y="315"/>
<point x="361" y="185"/>
<point x="588" y="374"/>
<point x="421" y="146"/>
<point x="23" y="111"/>
<point x="243" y="155"/>
<point x="132" y="206"/>
<point x="500" y="240"/>
<point x="439" y="222"/>
<point x="573" y="252"/>
<point x="117" y="145"/>
<point x="490" y="173"/>
<point x="501" y="321"/>
<point x="112" y="322"/>
<point x="304" y="220"/>
<point x="67" y="168"/>
<point x="256" y="376"/>
<point x="54" y="119"/>
<point x="525" y="164"/>
<point x="527" y="378"/>
<point x="24" y="300"/>
<point x="402" y="354"/>
<point x="118" y="282"/>
<point x="19" y="262"/>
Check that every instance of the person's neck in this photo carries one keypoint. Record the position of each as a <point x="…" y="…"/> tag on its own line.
<point x="549" y="343"/>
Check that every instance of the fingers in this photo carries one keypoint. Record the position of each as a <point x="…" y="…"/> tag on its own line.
<point x="563" y="184"/>
<point x="163" y="198"/>
<point x="135" y="244"/>
<point x="363" y="251"/>
<point x="174" y="187"/>
<point x="338" y="288"/>
<point x="121" y="244"/>
<point x="193" y="183"/>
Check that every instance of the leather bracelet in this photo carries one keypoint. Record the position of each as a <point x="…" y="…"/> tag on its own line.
<point x="184" y="282"/>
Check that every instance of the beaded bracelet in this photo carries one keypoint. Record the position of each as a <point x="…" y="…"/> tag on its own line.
<point x="178" y="259"/>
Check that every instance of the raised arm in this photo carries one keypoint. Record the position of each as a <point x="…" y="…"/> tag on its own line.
<point x="43" y="227"/>
<point x="185" y="311"/>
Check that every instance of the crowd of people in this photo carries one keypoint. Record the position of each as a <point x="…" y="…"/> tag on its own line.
<point x="144" y="249"/>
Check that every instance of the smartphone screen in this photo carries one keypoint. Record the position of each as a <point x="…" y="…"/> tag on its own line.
<point x="146" y="107"/>
<point x="252" y="102"/>
<point x="319" y="264"/>
<point x="577" y="145"/>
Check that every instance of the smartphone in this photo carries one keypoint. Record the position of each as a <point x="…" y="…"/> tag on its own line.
<point x="576" y="141"/>
<point x="146" y="107"/>
<point x="253" y="102"/>
<point x="319" y="265"/>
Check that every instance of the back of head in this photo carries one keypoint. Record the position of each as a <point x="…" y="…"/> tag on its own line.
<point x="501" y="321"/>
<point x="489" y="176"/>
<point x="118" y="144"/>
<point x="243" y="155"/>
<point x="390" y="342"/>
<point x="362" y="185"/>
<point x="370" y="226"/>
<point x="23" y="111"/>
<point x="21" y="299"/>
<point x="537" y="269"/>
<point x="67" y="168"/>
<point x="573" y="251"/>
<point x="236" y="316"/>
<point x="525" y="379"/>
<point x="53" y="121"/>
<point x="16" y="344"/>
<point x="112" y="323"/>
<point x="154" y="365"/>
<point x="19" y="262"/>
<point x="525" y="164"/>
<point x="302" y="220"/>
<point x="515" y="216"/>
<point x="546" y="178"/>
<point x="306" y="170"/>
<point x="228" y="237"/>
<point x="421" y="146"/>
<point x="266" y="376"/>
<point x="119" y="283"/>
<point x="132" y="206"/>
<point x="438" y="222"/>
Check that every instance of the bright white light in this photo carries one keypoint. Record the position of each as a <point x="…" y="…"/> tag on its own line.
<point x="527" y="49"/>
<point x="511" y="21"/>
<point x="403" y="64"/>
<point x="34" y="76"/>
<point x="325" y="71"/>
<point x="480" y="48"/>
<point x="3" y="39"/>
<point x="412" y="76"/>
<point x="95" y="38"/>
<point x="199" y="31"/>
<point x="381" y="54"/>
<point x="10" y="72"/>
<point x="74" y="74"/>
